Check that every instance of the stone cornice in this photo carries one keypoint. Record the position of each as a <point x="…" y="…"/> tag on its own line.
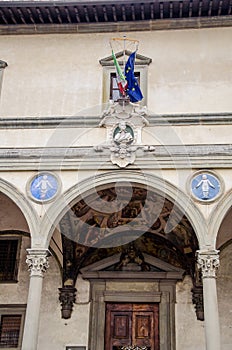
<point x="72" y="158"/>
<point x="31" y="122"/>
<point x="121" y="26"/>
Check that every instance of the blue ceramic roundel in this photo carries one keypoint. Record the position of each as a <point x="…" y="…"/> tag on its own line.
<point x="205" y="186"/>
<point x="44" y="186"/>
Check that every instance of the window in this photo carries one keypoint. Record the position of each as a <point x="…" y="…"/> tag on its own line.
<point x="110" y="89"/>
<point x="114" y="90"/>
<point x="9" y="331"/>
<point x="9" y="250"/>
<point x="11" y="326"/>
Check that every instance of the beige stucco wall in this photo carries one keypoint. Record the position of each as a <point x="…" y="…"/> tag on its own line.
<point x="95" y="136"/>
<point x="49" y="75"/>
<point x="189" y="331"/>
<point x="55" y="333"/>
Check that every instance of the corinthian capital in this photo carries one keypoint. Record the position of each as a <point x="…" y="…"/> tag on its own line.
<point x="208" y="262"/>
<point x="37" y="261"/>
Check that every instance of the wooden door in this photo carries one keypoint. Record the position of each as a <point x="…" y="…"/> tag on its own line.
<point x="132" y="324"/>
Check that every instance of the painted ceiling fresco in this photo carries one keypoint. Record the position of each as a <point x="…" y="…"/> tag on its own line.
<point x="104" y="223"/>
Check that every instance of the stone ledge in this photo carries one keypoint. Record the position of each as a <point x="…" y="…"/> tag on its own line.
<point x="165" y="157"/>
<point x="31" y="122"/>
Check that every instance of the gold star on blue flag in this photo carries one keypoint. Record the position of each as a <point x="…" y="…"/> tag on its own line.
<point x="133" y="89"/>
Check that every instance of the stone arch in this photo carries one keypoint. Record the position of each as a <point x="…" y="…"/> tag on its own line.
<point x="57" y="210"/>
<point x="23" y="204"/>
<point x="217" y="217"/>
<point x="77" y="256"/>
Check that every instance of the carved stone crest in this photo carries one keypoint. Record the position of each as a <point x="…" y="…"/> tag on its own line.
<point x="132" y="259"/>
<point x="124" y="122"/>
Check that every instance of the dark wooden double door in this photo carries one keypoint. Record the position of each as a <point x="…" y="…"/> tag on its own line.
<point x="132" y="324"/>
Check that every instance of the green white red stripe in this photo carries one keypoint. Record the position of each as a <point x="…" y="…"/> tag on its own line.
<point x="121" y="79"/>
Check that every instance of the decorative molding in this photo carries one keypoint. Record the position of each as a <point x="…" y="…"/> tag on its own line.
<point x="123" y="121"/>
<point x="52" y="122"/>
<point x="140" y="59"/>
<point x="75" y="152"/>
<point x="67" y="298"/>
<point x="37" y="261"/>
<point x="208" y="262"/>
<point x="100" y="270"/>
<point x="171" y="157"/>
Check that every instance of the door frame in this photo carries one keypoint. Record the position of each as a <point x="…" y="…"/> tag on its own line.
<point x="134" y="287"/>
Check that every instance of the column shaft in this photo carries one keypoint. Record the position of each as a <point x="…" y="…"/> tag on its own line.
<point x="38" y="263"/>
<point x="212" y="327"/>
<point x="208" y="262"/>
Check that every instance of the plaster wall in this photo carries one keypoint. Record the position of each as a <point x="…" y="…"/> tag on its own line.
<point x="50" y="75"/>
<point x="95" y="136"/>
<point x="189" y="331"/>
<point x="55" y="333"/>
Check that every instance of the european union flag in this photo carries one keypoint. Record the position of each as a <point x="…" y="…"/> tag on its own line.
<point x="133" y="89"/>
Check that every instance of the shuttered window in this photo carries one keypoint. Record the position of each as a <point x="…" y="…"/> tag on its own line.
<point x="8" y="260"/>
<point x="10" y="331"/>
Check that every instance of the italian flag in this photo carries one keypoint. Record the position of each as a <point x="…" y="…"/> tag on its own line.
<point x="121" y="79"/>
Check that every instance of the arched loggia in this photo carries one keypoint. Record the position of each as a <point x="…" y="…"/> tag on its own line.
<point x="24" y="205"/>
<point x="56" y="211"/>
<point x="180" y="205"/>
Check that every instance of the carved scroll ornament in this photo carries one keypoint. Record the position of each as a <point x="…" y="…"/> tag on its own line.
<point x="208" y="263"/>
<point x="37" y="262"/>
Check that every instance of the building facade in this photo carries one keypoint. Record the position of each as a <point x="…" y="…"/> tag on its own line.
<point x="115" y="216"/>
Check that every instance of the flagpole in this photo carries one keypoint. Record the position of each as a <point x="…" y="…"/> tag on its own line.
<point x="127" y="83"/>
<point x="124" y="63"/>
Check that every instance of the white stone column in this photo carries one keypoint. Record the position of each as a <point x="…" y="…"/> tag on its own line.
<point x="208" y="263"/>
<point x="37" y="260"/>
